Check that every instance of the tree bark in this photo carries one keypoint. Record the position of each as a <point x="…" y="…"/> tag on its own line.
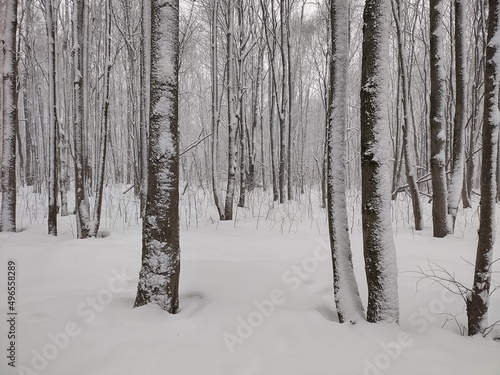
<point x="159" y="275"/>
<point x="437" y="122"/>
<point x="378" y="243"/>
<point x="53" y="128"/>
<point x="458" y="152"/>
<point x="9" y="117"/>
<point x="478" y="301"/>
<point x="349" y="305"/>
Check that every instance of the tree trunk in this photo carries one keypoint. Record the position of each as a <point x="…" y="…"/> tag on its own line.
<point x="81" y="202"/>
<point x="437" y="122"/>
<point x="9" y="118"/>
<point x="478" y="301"/>
<point x="53" y="128"/>
<point x="458" y="153"/>
<point x="231" y="116"/>
<point x="104" y="126"/>
<point x="349" y="305"/>
<point x="378" y="243"/>
<point x="159" y="275"/>
<point x="411" y="174"/>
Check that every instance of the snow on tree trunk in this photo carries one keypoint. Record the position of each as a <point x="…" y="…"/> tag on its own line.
<point x="9" y="117"/>
<point x="53" y="129"/>
<point x="349" y="305"/>
<point x="410" y="168"/>
<point x="159" y="275"/>
<point x="378" y="243"/>
<point x="215" y="107"/>
<point x="231" y="115"/>
<point x="145" y="102"/>
<point x="82" y="210"/>
<point x="458" y="157"/>
<point x="104" y="127"/>
<point x="478" y="301"/>
<point x="437" y="121"/>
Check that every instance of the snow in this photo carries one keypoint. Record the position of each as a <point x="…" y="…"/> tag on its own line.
<point x="256" y="297"/>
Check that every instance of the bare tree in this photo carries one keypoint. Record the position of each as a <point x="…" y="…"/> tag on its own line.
<point x="159" y="275"/>
<point x="411" y="173"/>
<point x="437" y="121"/>
<point x="378" y="243"/>
<point x="9" y="115"/>
<point x="53" y="127"/>
<point x="82" y="209"/>
<point x="478" y="301"/>
<point x="458" y="151"/>
<point x="349" y="305"/>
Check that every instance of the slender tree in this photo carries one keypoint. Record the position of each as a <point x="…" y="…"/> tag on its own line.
<point x="411" y="173"/>
<point x="79" y="41"/>
<point x="437" y="121"/>
<point x="458" y="151"/>
<point x="9" y="115"/>
<point x="53" y="127"/>
<point x="159" y="275"/>
<point x="231" y="115"/>
<point x="378" y="243"/>
<point x="349" y="305"/>
<point x="478" y="302"/>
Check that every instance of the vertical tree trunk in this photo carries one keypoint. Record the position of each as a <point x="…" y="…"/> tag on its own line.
<point x="9" y="117"/>
<point x="81" y="202"/>
<point x="215" y="108"/>
<point x="231" y="116"/>
<point x="53" y="128"/>
<point x="159" y="275"/>
<point x="478" y="301"/>
<point x="104" y="126"/>
<point x="349" y="306"/>
<point x="378" y="243"/>
<point x="145" y="84"/>
<point x="411" y="174"/>
<point x="457" y="166"/>
<point x="437" y="121"/>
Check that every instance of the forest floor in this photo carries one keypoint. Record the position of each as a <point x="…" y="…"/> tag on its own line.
<point x="256" y="297"/>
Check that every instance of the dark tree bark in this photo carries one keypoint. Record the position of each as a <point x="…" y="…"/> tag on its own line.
<point x="159" y="275"/>
<point x="79" y="41"/>
<point x="53" y="128"/>
<point x="9" y="116"/>
<point x="347" y="300"/>
<point x="437" y="122"/>
<point x="103" y="143"/>
<point x="478" y="302"/>
<point x="378" y="243"/>
<point x="458" y="152"/>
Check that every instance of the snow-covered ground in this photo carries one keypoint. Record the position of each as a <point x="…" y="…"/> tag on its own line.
<point x="256" y="298"/>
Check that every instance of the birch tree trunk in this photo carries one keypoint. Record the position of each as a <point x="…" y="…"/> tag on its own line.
<point x="478" y="301"/>
<point x="349" y="305"/>
<point x="378" y="243"/>
<point x="53" y="128"/>
<point x="159" y="275"/>
<point x="437" y="121"/>
<point x="9" y="116"/>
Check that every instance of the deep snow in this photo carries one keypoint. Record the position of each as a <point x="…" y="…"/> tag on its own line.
<point x="256" y="298"/>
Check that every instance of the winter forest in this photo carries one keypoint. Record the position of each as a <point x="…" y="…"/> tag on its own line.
<point x="249" y="187"/>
